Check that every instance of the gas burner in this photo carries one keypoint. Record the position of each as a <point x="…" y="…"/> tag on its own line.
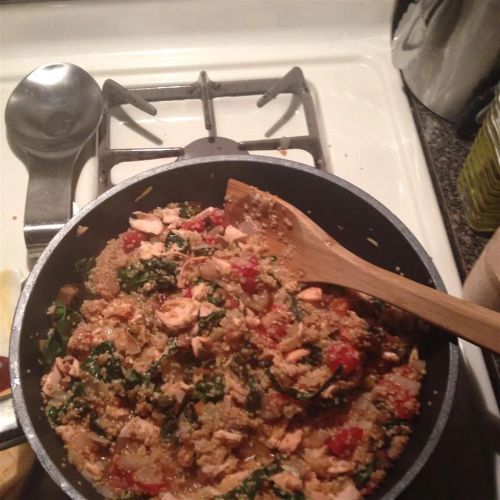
<point x="206" y="90"/>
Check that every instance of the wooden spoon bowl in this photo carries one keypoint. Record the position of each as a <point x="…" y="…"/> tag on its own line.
<point x="317" y="257"/>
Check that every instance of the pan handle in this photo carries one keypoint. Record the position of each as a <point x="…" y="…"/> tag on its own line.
<point x="11" y="433"/>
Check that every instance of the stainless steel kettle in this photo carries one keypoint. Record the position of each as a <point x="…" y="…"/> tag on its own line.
<point x="445" y="48"/>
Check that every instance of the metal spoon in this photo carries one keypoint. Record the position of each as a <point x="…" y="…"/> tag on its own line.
<point x="51" y="115"/>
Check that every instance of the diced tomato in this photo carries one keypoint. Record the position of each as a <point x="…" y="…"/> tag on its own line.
<point x="274" y="333"/>
<point x="249" y="285"/>
<point x="231" y="303"/>
<point x="217" y="218"/>
<point x="404" y="405"/>
<point x="340" y="305"/>
<point x="198" y="225"/>
<point x="342" y="354"/>
<point x="247" y="270"/>
<point x="278" y="331"/>
<point x="343" y="443"/>
<point x="132" y="239"/>
<point x="210" y="240"/>
<point x="127" y="478"/>
<point x="152" y="488"/>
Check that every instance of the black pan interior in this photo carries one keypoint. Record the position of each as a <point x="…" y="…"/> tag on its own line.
<point x="342" y="210"/>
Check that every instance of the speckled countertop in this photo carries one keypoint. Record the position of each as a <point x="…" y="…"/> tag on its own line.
<point x="445" y="154"/>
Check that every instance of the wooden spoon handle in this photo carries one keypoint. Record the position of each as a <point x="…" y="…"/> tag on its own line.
<point x="466" y="319"/>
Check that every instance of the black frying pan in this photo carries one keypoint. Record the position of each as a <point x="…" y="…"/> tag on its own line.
<point x="346" y="212"/>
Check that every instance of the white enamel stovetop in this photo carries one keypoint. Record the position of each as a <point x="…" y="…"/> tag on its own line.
<point x="343" y="48"/>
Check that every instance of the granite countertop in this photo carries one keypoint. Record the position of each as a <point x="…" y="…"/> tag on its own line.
<point x="445" y="154"/>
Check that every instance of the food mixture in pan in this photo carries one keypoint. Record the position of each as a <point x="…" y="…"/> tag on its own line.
<point x="190" y="364"/>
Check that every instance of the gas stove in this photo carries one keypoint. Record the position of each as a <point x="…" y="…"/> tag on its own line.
<point x="179" y="75"/>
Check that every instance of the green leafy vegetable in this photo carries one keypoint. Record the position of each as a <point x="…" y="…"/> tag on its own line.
<point x="239" y="366"/>
<point x="175" y="239"/>
<point x="362" y="476"/>
<point x="188" y="210"/>
<point x="213" y="294"/>
<point x="161" y="273"/>
<point x="203" y="251"/>
<point x="173" y="415"/>
<point x="254" y="399"/>
<point x="133" y="378"/>
<point x="286" y="495"/>
<point x="315" y="357"/>
<point x="53" y="415"/>
<point x="169" y="427"/>
<point x="254" y="483"/>
<point x="94" y="424"/>
<point x="75" y="401"/>
<point x="214" y="297"/>
<point x="65" y="319"/>
<point x="294" y="306"/>
<point x="110" y="370"/>
<point x="84" y="266"/>
<point x="189" y="413"/>
<point x="54" y="347"/>
<point x="210" y="388"/>
<point x="171" y="349"/>
<point x="212" y="320"/>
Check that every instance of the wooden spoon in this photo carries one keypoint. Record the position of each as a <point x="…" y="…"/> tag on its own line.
<point x="317" y="257"/>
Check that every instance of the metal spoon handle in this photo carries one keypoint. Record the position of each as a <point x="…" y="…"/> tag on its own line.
<point x="48" y="200"/>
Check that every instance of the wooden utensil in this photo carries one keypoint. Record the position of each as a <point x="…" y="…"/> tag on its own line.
<point x="318" y="257"/>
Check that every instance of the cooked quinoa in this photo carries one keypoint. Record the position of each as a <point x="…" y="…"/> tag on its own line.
<point x="190" y="364"/>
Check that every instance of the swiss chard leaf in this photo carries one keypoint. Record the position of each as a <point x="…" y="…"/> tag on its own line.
<point x="254" y="399"/>
<point x="94" y="424"/>
<point x="286" y="495"/>
<point x="294" y="306"/>
<point x="75" y="400"/>
<point x="171" y="349"/>
<point x="55" y="347"/>
<point x="188" y="210"/>
<point x="65" y="319"/>
<point x="239" y="366"/>
<point x="212" y="320"/>
<point x="210" y="388"/>
<point x="161" y="273"/>
<point x="169" y="427"/>
<point x="173" y="416"/>
<point x="203" y="251"/>
<point x="254" y="483"/>
<point x="175" y="239"/>
<point x="134" y="378"/>
<point x="315" y="356"/>
<point x="84" y="266"/>
<point x="362" y="476"/>
<point x="111" y="370"/>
